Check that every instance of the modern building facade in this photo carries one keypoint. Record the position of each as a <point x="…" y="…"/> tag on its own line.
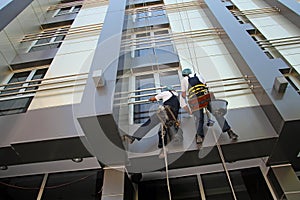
<point x="76" y="76"/>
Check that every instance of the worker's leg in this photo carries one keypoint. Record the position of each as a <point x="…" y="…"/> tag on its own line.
<point x="226" y="127"/>
<point x="222" y="123"/>
<point x="143" y="129"/>
<point x="199" y="121"/>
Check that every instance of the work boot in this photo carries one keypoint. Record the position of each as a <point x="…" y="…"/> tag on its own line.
<point x="232" y="135"/>
<point x="199" y="139"/>
<point x="210" y="122"/>
<point x="129" y="138"/>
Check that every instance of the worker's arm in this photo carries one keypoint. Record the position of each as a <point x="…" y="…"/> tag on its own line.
<point x="152" y="99"/>
<point x="187" y="109"/>
<point x="184" y="87"/>
<point x="184" y="105"/>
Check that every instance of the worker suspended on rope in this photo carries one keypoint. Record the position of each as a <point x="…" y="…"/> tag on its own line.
<point x="195" y="91"/>
<point x="168" y="116"/>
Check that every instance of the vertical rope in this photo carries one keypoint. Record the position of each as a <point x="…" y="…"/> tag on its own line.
<point x="224" y="165"/>
<point x="185" y="35"/>
<point x="166" y="160"/>
<point x="162" y="110"/>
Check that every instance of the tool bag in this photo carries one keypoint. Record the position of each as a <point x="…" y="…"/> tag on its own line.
<point x="218" y="107"/>
<point x="200" y="102"/>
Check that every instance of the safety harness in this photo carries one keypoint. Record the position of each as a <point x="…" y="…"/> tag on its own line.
<point x="196" y="87"/>
<point x="198" y="96"/>
<point x="173" y="103"/>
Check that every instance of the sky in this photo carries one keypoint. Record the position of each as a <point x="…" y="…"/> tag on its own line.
<point x="4" y="3"/>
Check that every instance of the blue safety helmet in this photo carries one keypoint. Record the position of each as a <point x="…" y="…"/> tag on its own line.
<point x="186" y="72"/>
<point x="168" y="88"/>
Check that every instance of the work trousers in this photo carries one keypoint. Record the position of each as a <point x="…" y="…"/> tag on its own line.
<point x="199" y="115"/>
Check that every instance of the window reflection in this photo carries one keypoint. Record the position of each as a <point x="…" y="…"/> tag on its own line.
<point x="149" y="86"/>
<point x="141" y="111"/>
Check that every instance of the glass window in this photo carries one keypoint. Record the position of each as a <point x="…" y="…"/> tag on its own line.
<point x="164" y="49"/>
<point x="53" y="43"/>
<point x="13" y="98"/>
<point x="50" y="38"/>
<point x="143" y="40"/>
<point x="169" y="78"/>
<point x="141" y="111"/>
<point x="161" y="32"/>
<point x="143" y="34"/>
<point x="39" y="74"/>
<point x="76" y="9"/>
<point x="59" y="38"/>
<point x="141" y="17"/>
<point x="144" y="52"/>
<point x="17" y="77"/>
<point x="14" y="106"/>
<point x="43" y="41"/>
<point x="157" y="13"/>
<point x="186" y="188"/>
<point x="20" y="187"/>
<point x="68" y="10"/>
<point x="149" y="12"/>
<point x="149" y="86"/>
<point x="63" y="11"/>
<point x="158" y="39"/>
<point x="33" y="49"/>
<point x="79" y="185"/>
<point x="39" y="48"/>
<point x="248" y="184"/>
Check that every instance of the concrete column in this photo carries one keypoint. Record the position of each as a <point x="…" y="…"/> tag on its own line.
<point x="113" y="184"/>
<point x="287" y="180"/>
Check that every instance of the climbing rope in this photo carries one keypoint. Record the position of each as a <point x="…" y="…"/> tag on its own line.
<point x="166" y="162"/>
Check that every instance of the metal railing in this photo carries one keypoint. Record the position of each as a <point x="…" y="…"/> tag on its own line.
<point x="64" y="31"/>
<point x="169" y="7"/>
<point x="76" y="3"/>
<point x="255" y="11"/>
<point x="171" y="37"/>
<point x="246" y="83"/>
<point x="43" y="82"/>
<point x="279" y="42"/>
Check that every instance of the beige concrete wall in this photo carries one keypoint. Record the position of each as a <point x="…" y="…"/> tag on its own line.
<point x="207" y="54"/>
<point x="74" y="57"/>
<point x="274" y="26"/>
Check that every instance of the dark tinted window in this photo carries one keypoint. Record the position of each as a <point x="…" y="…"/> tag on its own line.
<point x="20" y="187"/>
<point x="79" y="185"/>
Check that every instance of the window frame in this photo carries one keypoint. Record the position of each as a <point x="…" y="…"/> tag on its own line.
<point x="25" y="84"/>
<point x="17" y="97"/>
<point x="68" y="12"/>
<point x="157" y="75"/>
<point x="146" y="13"/>
<point x="58" y="33"/>
<point x="151" y="41"/>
